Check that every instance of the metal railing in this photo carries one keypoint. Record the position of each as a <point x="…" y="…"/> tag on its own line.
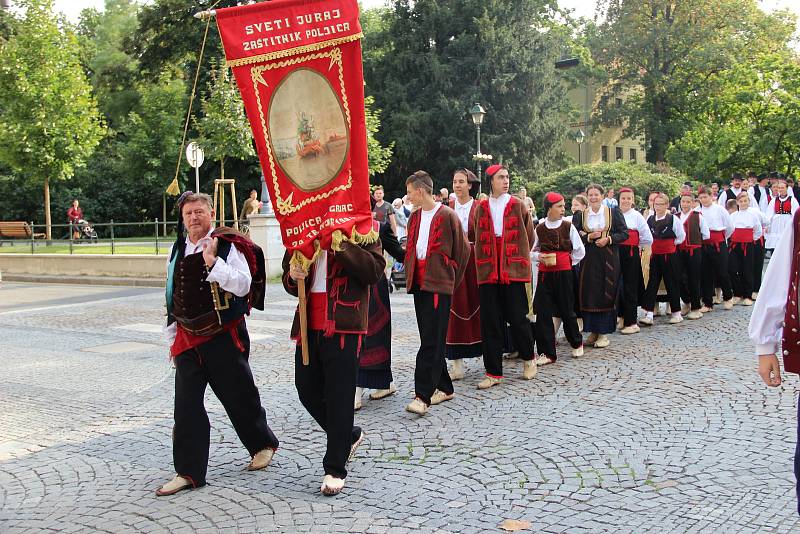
<point x="148" y="237"/>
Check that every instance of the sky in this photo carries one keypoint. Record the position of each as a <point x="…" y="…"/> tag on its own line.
<point x="582" y="8"/>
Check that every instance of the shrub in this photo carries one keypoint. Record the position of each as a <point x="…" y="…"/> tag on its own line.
<point x="642" y="178"/>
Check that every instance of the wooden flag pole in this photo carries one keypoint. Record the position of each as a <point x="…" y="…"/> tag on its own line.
<point x="301" y="293"/>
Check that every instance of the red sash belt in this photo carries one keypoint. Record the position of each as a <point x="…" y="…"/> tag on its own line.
<point x="717" y="237"/>
<point x="741" y="238"/>
<point x="632" y="241"/>
<point x="663" y="246"/>
<point x="419" y="272"/>
<point x="688" y="247"/>
<point x="563" y="262"/>
<point x="633" y="238"/>
<point x="317" y="304"/>
<point x="742" y="235"/>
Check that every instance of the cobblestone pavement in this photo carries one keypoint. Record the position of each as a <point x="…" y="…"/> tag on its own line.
<point x="666" y="431"/>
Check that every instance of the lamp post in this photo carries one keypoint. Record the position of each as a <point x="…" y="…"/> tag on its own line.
<point x="580" y="137"/>
<point x="478" y="113"/>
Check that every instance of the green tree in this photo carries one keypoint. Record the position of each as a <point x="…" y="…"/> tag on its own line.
<point x="224" y="130"/>
<point x="660" y="57"/>
<point x="378" y="155"/>
<point x="112" y="69"/>
<point x="428" y="61"/>
<point x="749" y="123"/>
<point x="149" y="141"/>
<point x="48" y="116"/>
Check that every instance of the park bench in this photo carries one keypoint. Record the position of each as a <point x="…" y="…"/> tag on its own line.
<point x="17" y="230"/>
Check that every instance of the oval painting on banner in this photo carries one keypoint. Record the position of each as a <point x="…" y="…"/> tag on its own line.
<point x="308" y="130"/>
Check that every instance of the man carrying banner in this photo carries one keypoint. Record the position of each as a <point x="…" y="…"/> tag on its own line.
<point x="338" y="306"/>
<point x="209" y="342"/>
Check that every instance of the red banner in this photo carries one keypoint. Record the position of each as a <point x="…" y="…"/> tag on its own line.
<point x="298" y="66"/>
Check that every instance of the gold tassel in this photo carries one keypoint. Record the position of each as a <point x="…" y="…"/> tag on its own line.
<point x="337" y="238"/>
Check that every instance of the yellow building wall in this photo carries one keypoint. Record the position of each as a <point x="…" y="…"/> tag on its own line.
<point x="585" y="99"/>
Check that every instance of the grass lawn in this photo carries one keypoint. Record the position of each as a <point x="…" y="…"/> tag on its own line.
<point x="98" y="248"/>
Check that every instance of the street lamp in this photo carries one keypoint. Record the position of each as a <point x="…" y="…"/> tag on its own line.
<point x="580" y="137"/>
<point x="478" y="113"/>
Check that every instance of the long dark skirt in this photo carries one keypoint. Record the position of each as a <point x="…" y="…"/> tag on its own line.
<point x="598" y="287"/>
<point x="464" y="327"/>
<point x="375" y="359"/>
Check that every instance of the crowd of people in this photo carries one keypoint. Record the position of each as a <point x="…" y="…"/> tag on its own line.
<point x="488" y="278"/>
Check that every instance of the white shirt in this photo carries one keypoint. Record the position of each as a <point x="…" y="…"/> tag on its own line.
<point x="763" y="202"/>
<point x="319" y="283"/>
<point x="705" y="231"/>
<point x="635" y="221"/>
<point x="747" y="219"/>
<point x="717" y="218"/>
<point x="232" y="275"/>
<point x="425" y="230"/>
<point x="497" y="206"/>
<point x="462" y="210"/>
<point x="723" y="197"/>
<point x="578" y="250"/>
<point x="771" y="207"/>
<point x="595" y="220"/>
<point x="677" y="227"/>
<point x="766" y="322"/>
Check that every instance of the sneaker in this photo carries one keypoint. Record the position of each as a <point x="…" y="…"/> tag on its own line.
<point x="457" y="370"/>
<point x="706" y="309"/>
<point x="728" y="304"/>
<point x="675" y="319"/>
<point x="576" y="353"/>
<point x="488" y="382"/>
<point x="439" y="397"/>
<point x="630" y="329"/>
<point x="695" y="314"/>
<point x="543" y="360"/>
<point x="747" y="302"/>
<point x="646" y="321"/>
<point x="529" y="370"/>
<point x="417" y="406"/>
<point x="602" y="341"/>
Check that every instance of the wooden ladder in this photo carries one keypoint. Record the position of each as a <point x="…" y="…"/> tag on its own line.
<point x="219" y="201"/>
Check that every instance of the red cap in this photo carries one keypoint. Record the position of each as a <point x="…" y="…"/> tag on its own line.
<point x="626" y="190"/>
<point x="493" y="169"/>
<point x="553" y="197"/>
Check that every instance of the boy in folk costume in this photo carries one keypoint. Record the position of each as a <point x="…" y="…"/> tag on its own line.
<point x="746" y="230"/>
<point x="504" y="233"/>
<point x="436" y="258"/>
<point x="630" y="261"/>
<point x="780" y="211"/>
<point x="557" y="247"/>
<point x="776" y="319"/>
<point x="464" y="327"/>
<point x="715" y="252"/>
<point x="690" y="255"/>
<point x="338" y="283"/>
<point x="667" y="233"/>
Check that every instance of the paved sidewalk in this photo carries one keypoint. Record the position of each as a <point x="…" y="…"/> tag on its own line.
<point x="666" y="431"/>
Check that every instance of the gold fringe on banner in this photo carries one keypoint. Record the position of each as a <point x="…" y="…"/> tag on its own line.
<point x="293" y="51"/>
<point x="337" y="238"/>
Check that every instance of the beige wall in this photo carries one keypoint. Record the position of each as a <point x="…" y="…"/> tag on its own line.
<point x="586" y="99"/>
<point x="90" y="265"/>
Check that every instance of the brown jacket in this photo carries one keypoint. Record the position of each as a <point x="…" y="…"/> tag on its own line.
<point x="447" y="256"/>
<point x="517" y="242"/>
<point x="351" y="272"/>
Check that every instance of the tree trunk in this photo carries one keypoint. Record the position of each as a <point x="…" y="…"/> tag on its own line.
<point x="222" y="168"/>
<point x="47" y="221"/>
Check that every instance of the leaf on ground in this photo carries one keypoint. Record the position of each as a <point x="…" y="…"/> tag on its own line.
<point x="514" y="525"/>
